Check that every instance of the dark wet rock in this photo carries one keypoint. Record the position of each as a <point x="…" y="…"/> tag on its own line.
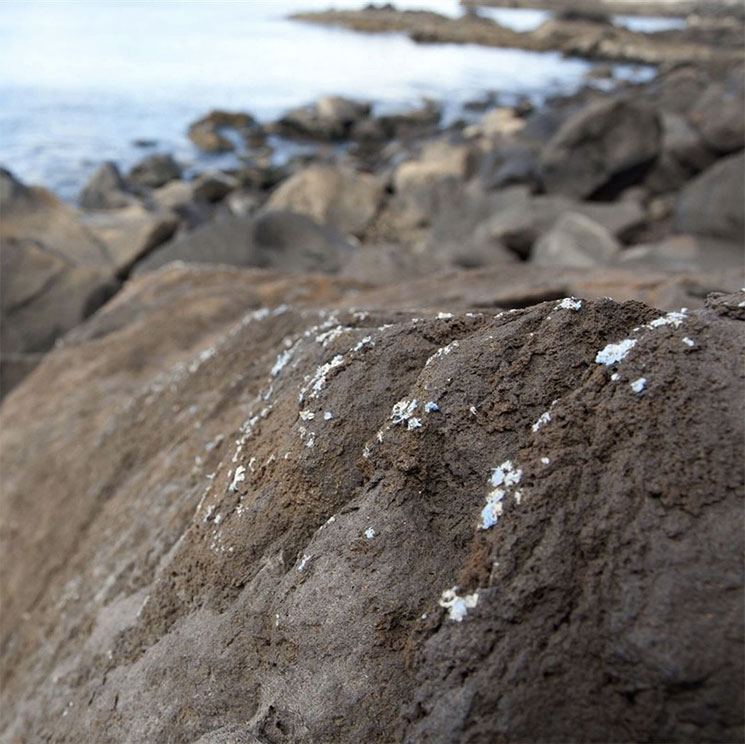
<point x="583" y="15"/>
<point x="223" y="514"/>
<point x="275" y="239"/>
<point x="331" y="195"/>
<point x="714" y="202"/>
<point x="154" y="171"/>
<point x="602" y="150"/>
<point x="106" y="189"/>
<point x="575" y="240"/>
<point x="213" y="187"/>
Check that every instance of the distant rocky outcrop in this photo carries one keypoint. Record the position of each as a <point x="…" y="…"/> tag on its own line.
<point x="579" y="33"/>
<point x="235" y="511"/>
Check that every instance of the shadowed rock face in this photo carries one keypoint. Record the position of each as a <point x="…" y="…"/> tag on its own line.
<point x="317" y="525"/>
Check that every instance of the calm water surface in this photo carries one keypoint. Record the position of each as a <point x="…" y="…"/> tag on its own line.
<point x="83" y="80"/>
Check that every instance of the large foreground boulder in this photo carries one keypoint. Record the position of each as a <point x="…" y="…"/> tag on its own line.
<point x="603" y="149"/>
<point x="375" y="525"/>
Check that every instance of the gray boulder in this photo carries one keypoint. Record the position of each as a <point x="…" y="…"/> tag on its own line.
<point x="335" y="196"/>
<point x="276" y="239"/>
<point x="509" y="166"/>
<point x="154" y="171"/>
<point x="575" y="240"/>
<point x="605" y="148"/>
<point x="518" y="226"/>
<point x="683" y="155"/>
<point x="331" y="118"/>
<point x="105" y="189"/>
<point x="719" y="115"/>
<point x="713" y="203"/>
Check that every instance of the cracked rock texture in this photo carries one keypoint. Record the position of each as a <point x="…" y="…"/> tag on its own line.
<point x="216" y="530"/>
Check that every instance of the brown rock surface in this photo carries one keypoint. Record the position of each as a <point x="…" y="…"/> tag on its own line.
<point x="244" y="527"/>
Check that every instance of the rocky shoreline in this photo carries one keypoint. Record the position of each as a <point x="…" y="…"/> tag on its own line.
<point x="708" y="41"/>
<point x="666" y="8"/>
<point x="645" y="174"/>
<point x="428" y="434"/>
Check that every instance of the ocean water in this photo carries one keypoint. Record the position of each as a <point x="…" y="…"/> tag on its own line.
<point x="83" y="80"/>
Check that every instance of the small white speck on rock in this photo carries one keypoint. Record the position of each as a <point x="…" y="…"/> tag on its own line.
<point x="570" y="303"/>
<point x="369" y="533"/>
<point x="638" y="385"/>
<point x="456" y="606"/>
<point x="614" y="353"/>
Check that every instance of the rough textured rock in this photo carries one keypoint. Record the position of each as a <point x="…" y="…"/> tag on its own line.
<point x="334" y="196"/>
<point x="154" y="171"/>
<point x="105" y="189"/>
<point x="275" y="239"/>
<point x="714" y="202"/>
<point x="603" y="149"/>
<point x="575" y="240"/>
<point x="233" y="559"/>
